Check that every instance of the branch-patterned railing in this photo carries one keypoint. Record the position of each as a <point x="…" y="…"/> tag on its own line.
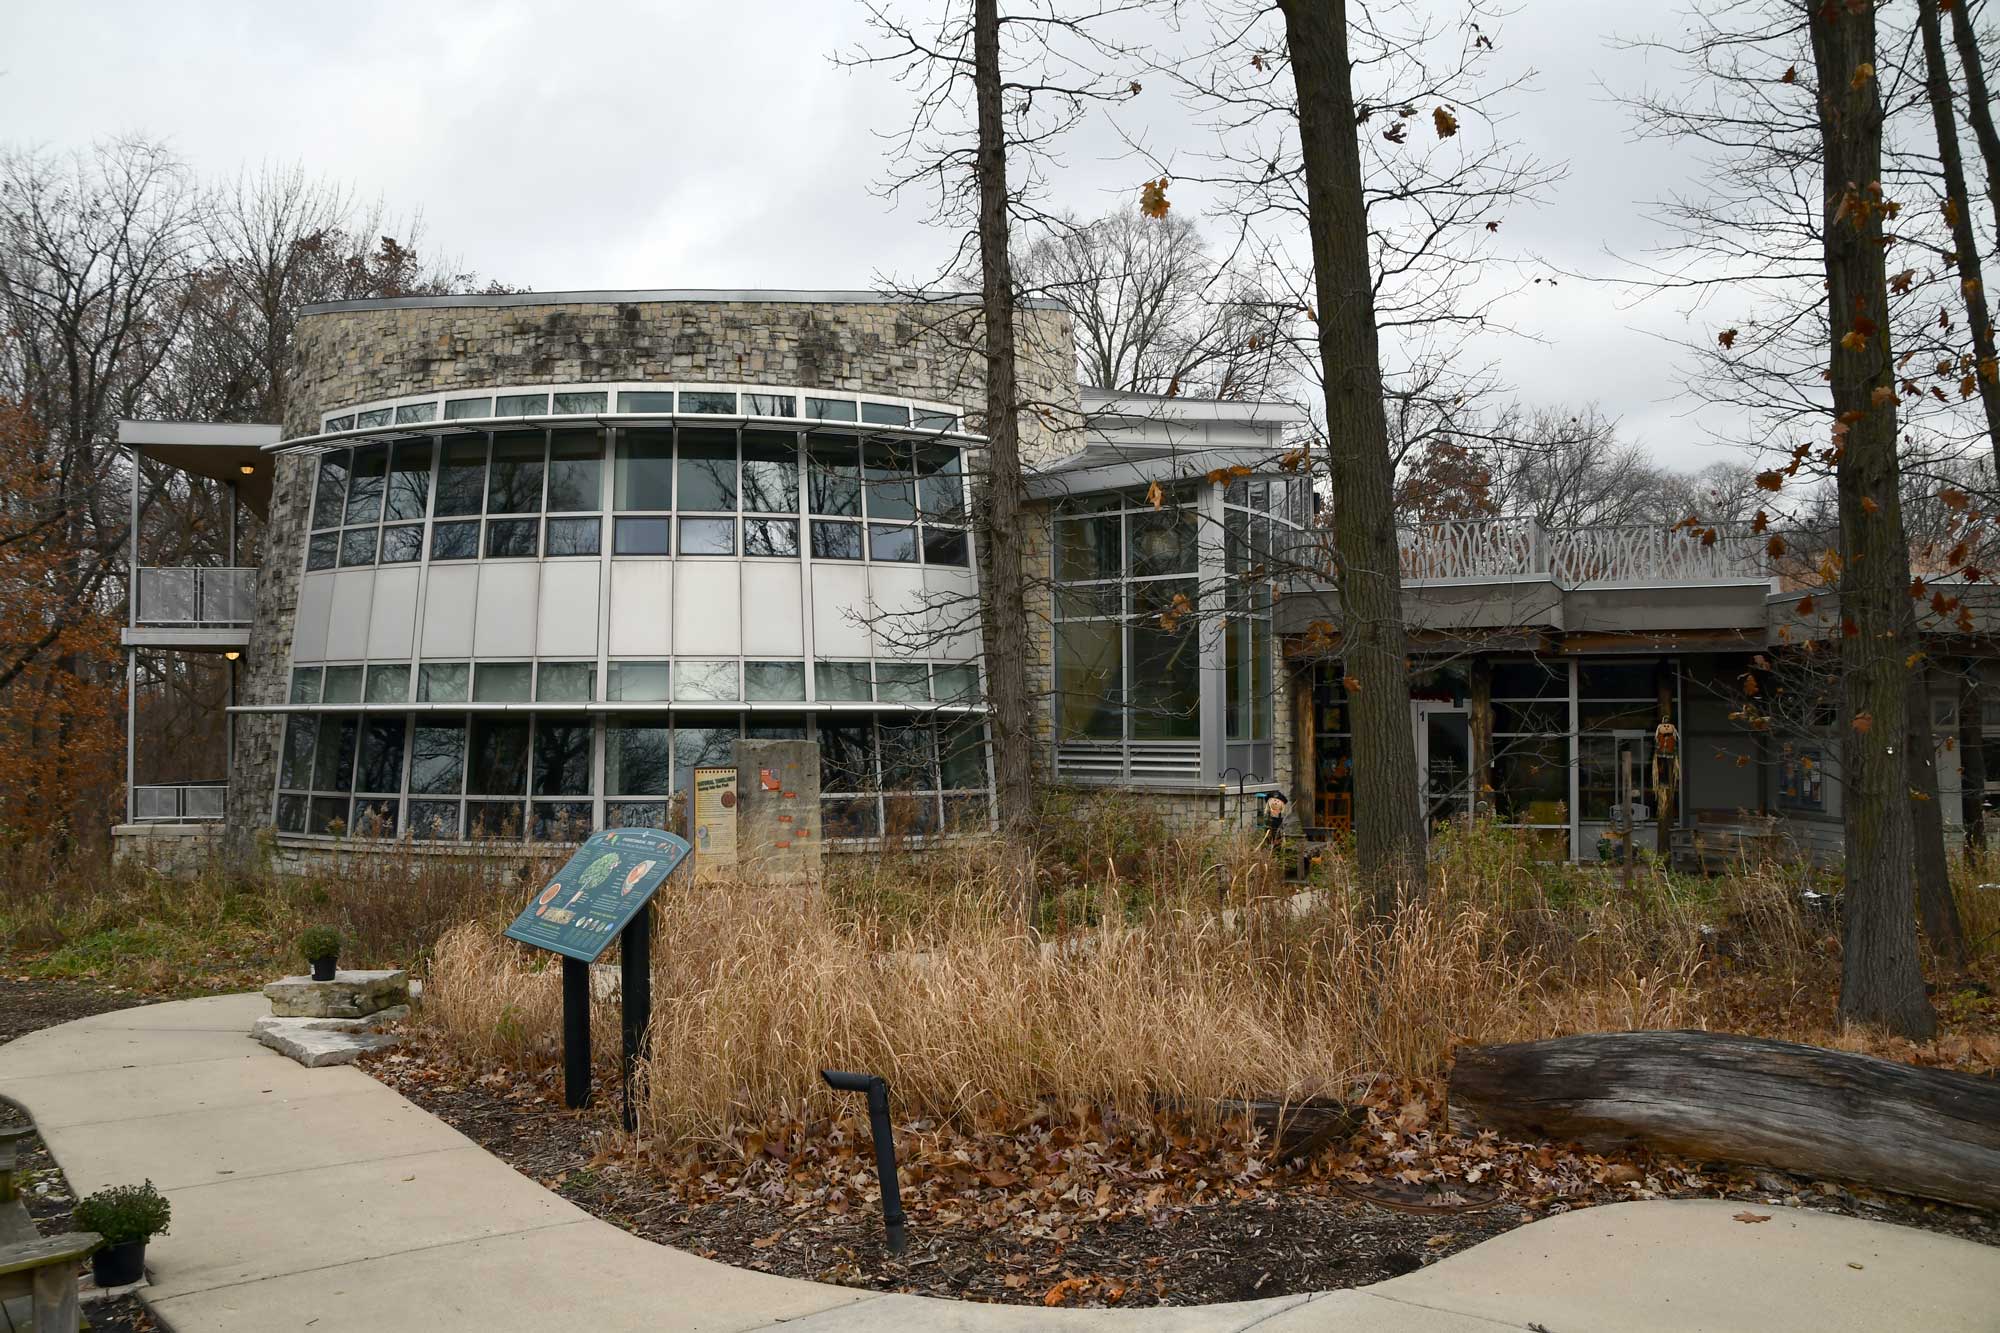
<point x="1493" y="548"/>
<point x="1648" y="554"/>
<point x="1478" y="550"/>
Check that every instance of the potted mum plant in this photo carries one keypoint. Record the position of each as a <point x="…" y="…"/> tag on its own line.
<point x="321" y="946"/>
<point x="127" y="1216"/>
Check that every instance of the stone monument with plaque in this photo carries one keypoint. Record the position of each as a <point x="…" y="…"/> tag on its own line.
<point x="778" y="834"/>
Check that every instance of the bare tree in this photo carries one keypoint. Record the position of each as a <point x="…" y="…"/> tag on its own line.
<point x="271" y="243"/>
<point x="993" y="91"/>
<point x="1880" y="978"/>
<point x="1153" y="312"/>
<point x="1978" y="101"/>
<point x="1389" y="826"/>
<point x="1984" y="373"/>
<point x="96" y="249"/>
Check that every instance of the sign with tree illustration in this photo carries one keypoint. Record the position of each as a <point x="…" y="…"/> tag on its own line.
<point x="615" y="873"/>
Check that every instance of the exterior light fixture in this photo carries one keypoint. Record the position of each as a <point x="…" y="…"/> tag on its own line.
<point x="246" y="468"/>
<point x="232" y="654"/>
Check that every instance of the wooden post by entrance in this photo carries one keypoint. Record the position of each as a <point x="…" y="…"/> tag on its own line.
<point x="1305" y="741"/>
<point x="1667" y="797"/>
<point x="1481" y="699"/>
<point x="1631" y="824"/>
<point x="576" y="1033"/>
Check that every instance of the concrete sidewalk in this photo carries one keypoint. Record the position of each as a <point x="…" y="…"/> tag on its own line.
<point x="320" y="1198"/>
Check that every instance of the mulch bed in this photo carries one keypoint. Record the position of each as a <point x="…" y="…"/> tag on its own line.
<point x="1297" y="1230"/>
<point x="27" y="1005"/>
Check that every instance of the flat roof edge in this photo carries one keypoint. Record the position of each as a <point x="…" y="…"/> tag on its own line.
<point x="232" y="434"/>
<point x="615" y="296"/>
<point x="1154" y="406"/>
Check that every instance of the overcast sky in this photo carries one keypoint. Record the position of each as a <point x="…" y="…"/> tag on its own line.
<point x="602" y="145"/>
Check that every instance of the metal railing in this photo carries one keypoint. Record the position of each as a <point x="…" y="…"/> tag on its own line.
<point x="197" y="596"/>
<point x="180" y="803"/>
<point x="1500" y="548"/>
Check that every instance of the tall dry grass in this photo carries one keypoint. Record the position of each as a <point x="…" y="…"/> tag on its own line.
<point x="69" y="913"/>
<point x="1181" y="993"/>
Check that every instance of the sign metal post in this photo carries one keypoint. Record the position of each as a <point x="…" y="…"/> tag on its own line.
<point x="635" y="991"/>
<point x="603" y="891"/>
<point x="576" y="1033"/>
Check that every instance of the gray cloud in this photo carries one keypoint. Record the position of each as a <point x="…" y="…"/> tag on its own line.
<point x="643" y="145"/>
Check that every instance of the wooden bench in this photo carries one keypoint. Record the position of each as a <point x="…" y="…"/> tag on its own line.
<point x="44" y="1270"/>
<point x="37" y="1273"/>
<point x="1723" y="840"/>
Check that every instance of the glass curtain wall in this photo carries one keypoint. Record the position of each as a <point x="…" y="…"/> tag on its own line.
<point x="505" y="776"/>
<point x="681" y="491"/>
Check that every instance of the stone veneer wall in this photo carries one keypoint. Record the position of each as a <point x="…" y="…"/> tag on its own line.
<point x="387" y="350"/>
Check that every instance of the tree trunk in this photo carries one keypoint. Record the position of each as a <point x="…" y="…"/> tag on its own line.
<point x="1388" y="808"/>
<point x="1006" y="614"/>
<point x="1978" y="102"/>
<point x="1717" y="1097"/>
<point x="1937" y="84"/>
<point x="1933" y="865"/>
<point x="1881" y="981"/>
<point x="1972" y="755"/>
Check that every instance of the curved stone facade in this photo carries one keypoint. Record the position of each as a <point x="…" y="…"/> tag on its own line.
<point x="370" y="351"/>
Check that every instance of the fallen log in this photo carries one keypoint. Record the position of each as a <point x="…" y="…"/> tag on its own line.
<point x="1824" y="1114"/>
<point x="1301" y="1128"/>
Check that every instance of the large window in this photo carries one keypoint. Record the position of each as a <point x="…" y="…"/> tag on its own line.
<point x="1256" y="528"/>
<point x="369" y="505"/>
<point x="1128" y="655"/>
<point x="1164" y="661"/>
<point x="554" y="776"/>
<point x="1618" y="706"/>
<point x="698" y="491"/>
<point x="704" y="491"/>
<point x="1531" y="726"/>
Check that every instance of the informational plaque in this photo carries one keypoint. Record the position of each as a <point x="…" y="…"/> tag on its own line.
<point x="579" y="912"/>
<point x="714" y="820"/>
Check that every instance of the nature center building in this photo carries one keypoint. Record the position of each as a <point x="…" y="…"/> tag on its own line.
<point x="527" y="560"/>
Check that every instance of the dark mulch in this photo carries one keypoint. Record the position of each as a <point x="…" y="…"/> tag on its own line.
<point x="1278" y="1243"/>
<point x="1272" y="1246"/>
<point x="28" y="1004"/>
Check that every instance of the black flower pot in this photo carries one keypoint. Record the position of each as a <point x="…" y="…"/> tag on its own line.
<point x="119" y="1265"/>
<point x="322" y="969"/>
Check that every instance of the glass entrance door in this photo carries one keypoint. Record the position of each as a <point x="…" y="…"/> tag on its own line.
<point x="1444" y="761"/>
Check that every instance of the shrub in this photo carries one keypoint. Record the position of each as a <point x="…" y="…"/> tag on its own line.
<point x="319" y="942"/>
<point x="124" y="1213"/>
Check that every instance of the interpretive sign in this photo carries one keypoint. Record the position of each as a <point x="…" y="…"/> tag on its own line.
<point x="598" y="890"/>
<point x="714" y="820"/>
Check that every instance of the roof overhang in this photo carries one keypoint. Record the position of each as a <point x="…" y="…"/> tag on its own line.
<point x="1160" y="407"/>
<point x="231" y="452"/>
<point x="1086" y="473"/>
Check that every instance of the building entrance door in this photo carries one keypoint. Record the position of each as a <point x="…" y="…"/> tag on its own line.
<point x="1444" y="760"/>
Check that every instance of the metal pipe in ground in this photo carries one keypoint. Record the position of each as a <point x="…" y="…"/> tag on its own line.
<point x="885" y="1148"/>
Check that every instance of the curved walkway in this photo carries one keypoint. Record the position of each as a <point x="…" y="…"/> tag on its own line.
<point x="320" y="1198"/>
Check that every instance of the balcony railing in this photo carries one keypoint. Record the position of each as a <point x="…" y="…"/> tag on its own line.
<point x="198" y="596"/>
<point x="182" y="803"/>
<point x="1478" y="550"/>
